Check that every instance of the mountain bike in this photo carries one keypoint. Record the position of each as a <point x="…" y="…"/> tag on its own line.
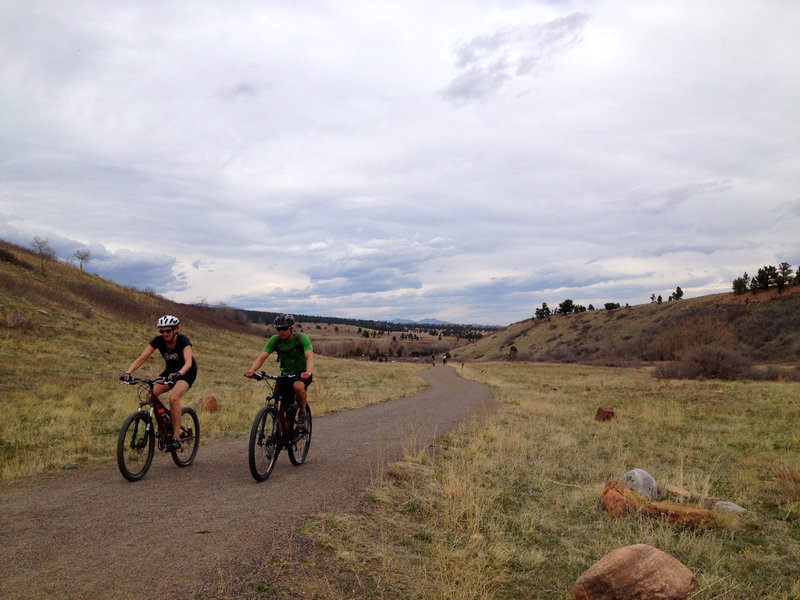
<point x="275" y="427"/>
<point x="137" y="438"/>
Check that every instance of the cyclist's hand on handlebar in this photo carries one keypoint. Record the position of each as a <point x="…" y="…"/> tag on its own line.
<point x="249" y="374"/>
<point x="126" y="377"/>
<point x="174" y="377"/>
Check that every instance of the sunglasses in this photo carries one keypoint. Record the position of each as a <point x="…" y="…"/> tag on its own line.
<point x="282" y="328"/>
<point x="163" y="331"/>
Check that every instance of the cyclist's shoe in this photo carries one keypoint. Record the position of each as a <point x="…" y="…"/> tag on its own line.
<point x="174" y="445"/>
<point x="301" y="423"/>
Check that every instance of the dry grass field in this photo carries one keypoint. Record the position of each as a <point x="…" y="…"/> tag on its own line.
<point x="508" y="507"/>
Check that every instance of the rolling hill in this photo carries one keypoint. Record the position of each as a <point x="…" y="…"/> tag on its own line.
<point x="762" y="327"/>
<point x="59" y="299"/>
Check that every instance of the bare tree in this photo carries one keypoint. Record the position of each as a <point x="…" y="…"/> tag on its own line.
<point x="82" y="256"/>
<point x="44" y="250"/>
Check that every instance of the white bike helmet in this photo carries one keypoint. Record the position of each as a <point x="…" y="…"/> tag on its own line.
<point x="168" y="321"/>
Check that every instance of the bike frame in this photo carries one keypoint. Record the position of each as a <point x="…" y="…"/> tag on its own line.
<point x="135" y="448"/>
<point x="162" y="419"/>
<point x="277" y="417"/>
<point x="283" y="405"/>
<point x="157" y="413"/>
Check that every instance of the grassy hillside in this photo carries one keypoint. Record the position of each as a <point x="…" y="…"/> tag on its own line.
<point x="763" y="327"/>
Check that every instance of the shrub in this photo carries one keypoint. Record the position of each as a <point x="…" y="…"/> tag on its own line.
<point x="713" y="362"/>
<point x="789" y="482"/>
<point x="9" y="257"/>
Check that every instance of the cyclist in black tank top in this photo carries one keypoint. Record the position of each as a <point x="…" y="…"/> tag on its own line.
<point x="180" y="369"/>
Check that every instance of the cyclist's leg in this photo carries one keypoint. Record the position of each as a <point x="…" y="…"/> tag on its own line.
<point x="178" y="390"/>
<point x="300" y="396"/>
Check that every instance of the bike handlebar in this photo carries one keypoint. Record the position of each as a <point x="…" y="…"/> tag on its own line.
<point x="147" y="382"/>
<point x="263" y="375"/>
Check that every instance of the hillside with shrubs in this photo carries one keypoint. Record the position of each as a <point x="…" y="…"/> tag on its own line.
<point x="728" y="334"/>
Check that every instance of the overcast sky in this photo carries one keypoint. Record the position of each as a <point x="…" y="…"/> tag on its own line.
<point x="459" y="159"/>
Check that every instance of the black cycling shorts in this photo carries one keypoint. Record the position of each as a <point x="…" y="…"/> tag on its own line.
<point x="188" y="377"/>
<point x="287" y="387"/>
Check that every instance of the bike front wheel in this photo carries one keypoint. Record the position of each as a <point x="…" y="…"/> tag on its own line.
<point x="135" y="446"/>
<point x="190" y="438"/>
<point x="298" y="449"/>
<point x="263" y="447"/>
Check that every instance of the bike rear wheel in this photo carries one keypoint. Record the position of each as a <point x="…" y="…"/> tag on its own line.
<point x="190" y="438"/>
<point x="135" y="446"/>
<point x="298" y="449"/>
<point x="264" y="443"/>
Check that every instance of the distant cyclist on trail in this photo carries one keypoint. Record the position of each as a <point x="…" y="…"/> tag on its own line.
<point x="296" y="356"/>
<point x="180" y="371"/>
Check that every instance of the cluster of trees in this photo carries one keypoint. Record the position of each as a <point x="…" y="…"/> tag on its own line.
<point x="676" y="295"/>
<point x="767" y="276"/>
<point x="468" y="332"/>
<point x="46" y="253"/>
<point x="568" y="306"/>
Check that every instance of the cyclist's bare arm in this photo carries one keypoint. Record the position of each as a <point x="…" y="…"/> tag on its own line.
<point x="309" y="365"/>
<point x="141" y="359"/>
<point x="256" y="364"/>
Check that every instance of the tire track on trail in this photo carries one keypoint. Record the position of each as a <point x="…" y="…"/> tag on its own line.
<point x="91" y="534"/>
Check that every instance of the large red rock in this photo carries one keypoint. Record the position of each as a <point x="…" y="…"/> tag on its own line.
<point x="617" y="498"/>
<point x="638" y="572"/>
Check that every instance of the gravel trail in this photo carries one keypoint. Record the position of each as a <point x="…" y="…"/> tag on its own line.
<point x="91" y="534"/>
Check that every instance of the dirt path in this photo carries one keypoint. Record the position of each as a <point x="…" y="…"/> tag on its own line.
<point x="88" y="534"/>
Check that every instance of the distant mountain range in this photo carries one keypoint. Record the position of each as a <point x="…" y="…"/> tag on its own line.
<point x="421" y="322"/>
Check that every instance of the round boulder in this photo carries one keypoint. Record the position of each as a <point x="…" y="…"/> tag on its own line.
<point x="641" y="482"/>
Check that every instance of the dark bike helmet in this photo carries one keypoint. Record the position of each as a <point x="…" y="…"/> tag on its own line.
<point x="168" y="321"/>
<point x="284" y="320"/>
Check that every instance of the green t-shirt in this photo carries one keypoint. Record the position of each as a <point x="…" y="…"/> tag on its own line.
<point x="291" y="352"/>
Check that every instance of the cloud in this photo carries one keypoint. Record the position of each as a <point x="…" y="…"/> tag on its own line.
<point x="139" y="269"/>
<point x="489" y="62"/>
<point x="657" y="201"/>
<point x="243" y="89"/>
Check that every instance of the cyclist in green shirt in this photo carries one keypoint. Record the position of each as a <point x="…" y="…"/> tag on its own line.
<point x="296" y="356"/>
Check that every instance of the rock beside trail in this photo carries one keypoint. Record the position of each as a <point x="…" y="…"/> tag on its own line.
<point x="208" y="404"/>
<point x="617" y="498"/>
<point x="638" y="572"/>
<point x="724" y="506"/>
<point x="641" y="482"/>
<point x="679" y="492"/>
<point x="604" y="413"/>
